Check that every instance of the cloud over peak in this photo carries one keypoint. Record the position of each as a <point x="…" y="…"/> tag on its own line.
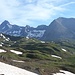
<point x="31" y="12"/>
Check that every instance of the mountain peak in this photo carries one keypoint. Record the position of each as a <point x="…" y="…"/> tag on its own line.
<point x="60" y="18"/>
<point x="27" y="26"/>
<point x="60" y="28"/>
<point x="6" y="24"/>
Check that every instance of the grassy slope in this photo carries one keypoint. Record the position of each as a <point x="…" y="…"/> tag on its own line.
<point x="37" y="55"/>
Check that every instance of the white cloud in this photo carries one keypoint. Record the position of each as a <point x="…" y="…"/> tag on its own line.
<point x="6" y="9"/>
<point x="24" y="12"/>
<point x="67" y="4"/>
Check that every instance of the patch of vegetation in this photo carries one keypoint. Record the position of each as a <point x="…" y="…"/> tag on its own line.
<point x="37" y="55"/>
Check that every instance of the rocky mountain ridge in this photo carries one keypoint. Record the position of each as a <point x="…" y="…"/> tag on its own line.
<point x="26" y="31"/>
<point x="60" y="28"/>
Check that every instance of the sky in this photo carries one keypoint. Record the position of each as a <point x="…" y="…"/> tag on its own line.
<point x="35" y="12"/>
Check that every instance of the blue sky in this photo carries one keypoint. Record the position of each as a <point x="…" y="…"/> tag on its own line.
<point x="35" y="12"/>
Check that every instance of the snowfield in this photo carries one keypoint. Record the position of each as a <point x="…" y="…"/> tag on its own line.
<point x="62" y="72"/>
<point x="12" y="70"/>
<point x="16" y="52"/>
<point x="17" y="61"/>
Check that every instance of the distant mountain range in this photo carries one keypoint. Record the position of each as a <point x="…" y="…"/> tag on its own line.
<point x="26" y="31"/>
<point x="60" y="28"/>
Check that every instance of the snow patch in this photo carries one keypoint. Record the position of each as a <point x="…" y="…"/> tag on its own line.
<point x="10" y="32"/>
<point x="3" y="27"/>
<point x="1" y="45"/>
<point x="17" y="61"/>
<point x="56" y="56"/>
<point x="9" y="45"/>
<point x="27" y="38"/>
<point x="1" y="50"/>
<point x="15" y="42"/>
<point x="10" y="26"/>
<point x="42" y="41"/>
<point x="16" y="52"/>
<point x="36" y="33"/>
<point x="62" y="72"/>
<point x="15" y="32"/>
<point x="64" y="49"/>
<point x="7" y="39"/>
<point x="2" y="36"/>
